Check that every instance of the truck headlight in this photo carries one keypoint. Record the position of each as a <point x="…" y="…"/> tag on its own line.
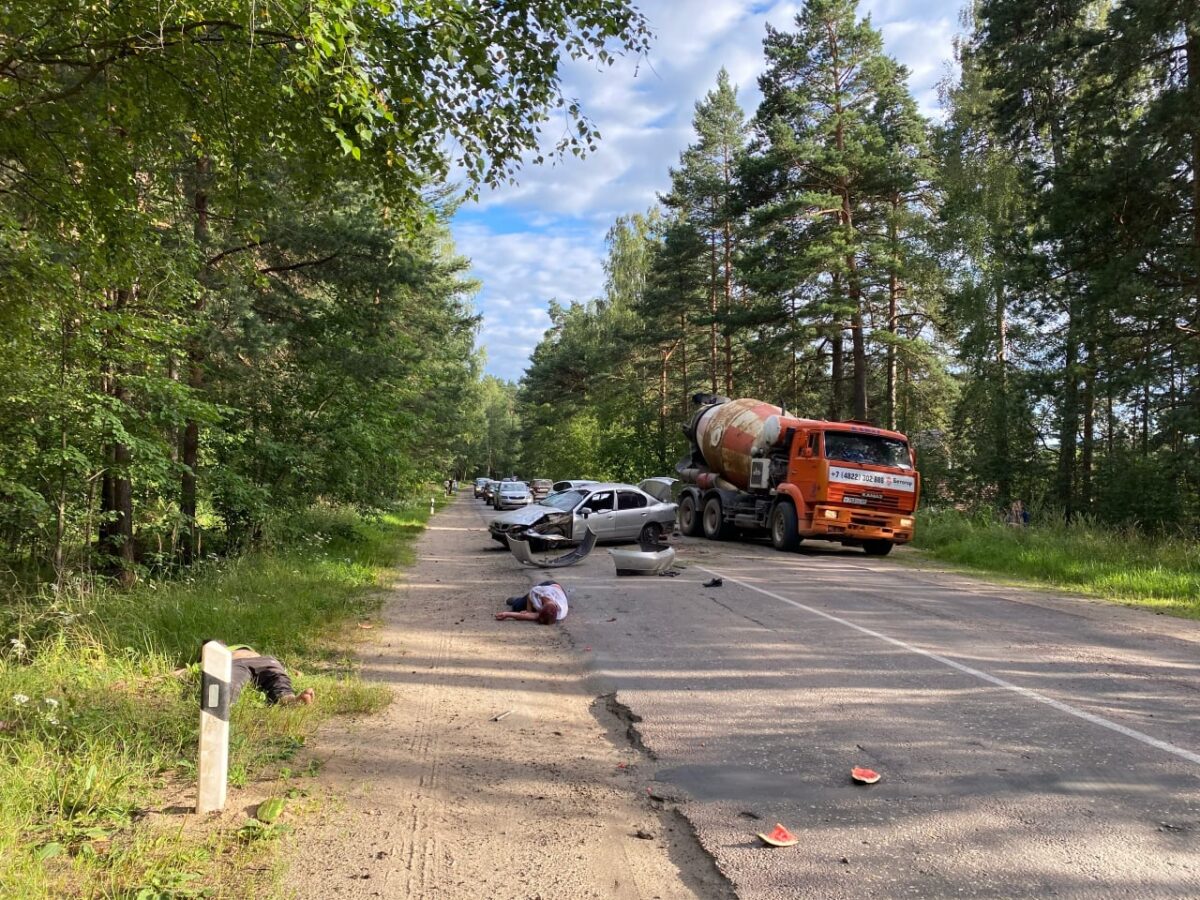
<point x="906" y="523"/>
<point x="831" y="514"/>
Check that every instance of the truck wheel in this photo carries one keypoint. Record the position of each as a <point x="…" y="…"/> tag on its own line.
<point x="689" y="516"/>
<point x="715" y="527"/>
<point x="785" y="535"/>
<point x="877" y="548"/>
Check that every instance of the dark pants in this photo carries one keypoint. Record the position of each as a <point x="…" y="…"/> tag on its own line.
<point x="268" y="676"/>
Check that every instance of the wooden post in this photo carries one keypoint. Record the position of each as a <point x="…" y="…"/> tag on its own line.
<point x="217" y="672"/>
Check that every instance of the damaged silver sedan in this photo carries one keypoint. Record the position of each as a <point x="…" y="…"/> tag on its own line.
<point x="613" y="512"/>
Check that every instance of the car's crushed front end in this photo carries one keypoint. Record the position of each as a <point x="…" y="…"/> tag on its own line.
<point x="542" y="520"/>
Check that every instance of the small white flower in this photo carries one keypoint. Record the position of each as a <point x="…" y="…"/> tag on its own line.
<point x="18" y="645"/>
<point x="20" y="699"/>
<point x="51" y="702"/>
<point x="52" y="720"/>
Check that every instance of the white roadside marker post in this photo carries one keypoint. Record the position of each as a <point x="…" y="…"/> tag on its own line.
<point x="431" y="506"/>
<point x="217" y="672"/>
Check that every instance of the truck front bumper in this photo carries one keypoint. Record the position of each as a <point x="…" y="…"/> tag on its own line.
<point x="851" y="523"/>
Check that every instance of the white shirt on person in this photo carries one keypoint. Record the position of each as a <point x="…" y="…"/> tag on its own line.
<point x="539" y="593"/>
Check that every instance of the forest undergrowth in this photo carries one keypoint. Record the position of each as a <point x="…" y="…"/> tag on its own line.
<point x="1157" y="572"/>
<point x="98" y="725"/>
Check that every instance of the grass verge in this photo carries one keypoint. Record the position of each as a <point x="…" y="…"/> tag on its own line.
<point x="1158" y="573"/>
<point x="98" y="732"/>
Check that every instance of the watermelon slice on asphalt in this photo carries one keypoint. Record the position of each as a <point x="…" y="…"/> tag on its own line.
<point x="780" y="837"/>
<point x="864" y="776"/>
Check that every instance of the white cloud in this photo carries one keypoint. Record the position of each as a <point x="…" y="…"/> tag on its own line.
<point x="643" y="110"/>
<point x="521" y="273"/>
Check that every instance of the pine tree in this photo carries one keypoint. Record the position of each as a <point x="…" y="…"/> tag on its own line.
<point x="841" y="164"/>
<point x="704" y="191"/>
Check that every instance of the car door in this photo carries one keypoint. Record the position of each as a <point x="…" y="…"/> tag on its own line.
<point x="633" y="512"/>
<point x="601" y="515"/>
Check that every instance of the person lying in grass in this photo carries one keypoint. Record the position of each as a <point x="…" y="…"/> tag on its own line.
<point x="267" y="674"/>
<point x="546" y="603"/>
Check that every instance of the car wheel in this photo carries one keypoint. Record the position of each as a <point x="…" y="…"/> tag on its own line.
<point x="689" y="516"/>
<point x="877" y="548"/>
<point x="651" y="533"/>
<point x="715" y="527"/>
<point x="784" y="533"/>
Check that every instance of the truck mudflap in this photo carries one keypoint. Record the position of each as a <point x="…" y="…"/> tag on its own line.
<point x="854" y="525"/>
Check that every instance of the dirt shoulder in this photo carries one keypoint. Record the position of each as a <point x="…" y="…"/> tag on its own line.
<point x="432" y="798"/>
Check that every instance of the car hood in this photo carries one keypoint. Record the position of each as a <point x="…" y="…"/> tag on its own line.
<point x="527" y="515"/>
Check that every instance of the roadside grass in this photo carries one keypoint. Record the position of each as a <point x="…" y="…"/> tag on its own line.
<point x="1126" y="566"/>
<point x="98" y="726"/>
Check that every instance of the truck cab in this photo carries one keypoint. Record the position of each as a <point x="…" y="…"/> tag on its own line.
<point x="754" y="467"/>
<point x="855" y="483"/>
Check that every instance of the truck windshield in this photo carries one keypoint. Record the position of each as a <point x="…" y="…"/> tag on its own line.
<point x="871" y="449"/>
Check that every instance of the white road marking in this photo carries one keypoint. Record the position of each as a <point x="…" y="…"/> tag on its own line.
<point x="977" y="673"/>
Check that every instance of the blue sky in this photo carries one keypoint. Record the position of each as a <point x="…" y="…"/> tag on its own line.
<point x="543" y="238"/>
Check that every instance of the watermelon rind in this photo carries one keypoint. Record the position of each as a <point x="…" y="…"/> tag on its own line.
<point x="780" y="837"/>
<point x="864" y="776"/>
<point x="269" y="810"/>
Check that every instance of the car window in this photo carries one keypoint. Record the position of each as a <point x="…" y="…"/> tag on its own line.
<point x="630" y="500"/>
<point x="564" y="500"/>
<point x="601" y="501"/>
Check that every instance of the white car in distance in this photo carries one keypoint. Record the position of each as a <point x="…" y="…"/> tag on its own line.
<point x="512" y="495"/>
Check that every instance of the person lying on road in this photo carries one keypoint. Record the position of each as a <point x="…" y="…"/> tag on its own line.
<point x="546" y="603"/>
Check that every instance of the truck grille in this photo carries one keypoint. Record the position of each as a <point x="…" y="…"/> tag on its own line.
<point x="877" y="521"/>
<point x="877" y="502"/>
<point x="857" y="500"/>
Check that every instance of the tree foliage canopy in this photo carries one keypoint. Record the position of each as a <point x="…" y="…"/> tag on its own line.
<point x="228" y="286"/>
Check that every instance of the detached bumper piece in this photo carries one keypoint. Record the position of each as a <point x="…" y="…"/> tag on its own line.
<point x="643" y="562"/>
<point x="518" y="544"/>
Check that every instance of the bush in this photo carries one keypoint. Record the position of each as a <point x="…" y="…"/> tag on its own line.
<point x="1116" y="563"/>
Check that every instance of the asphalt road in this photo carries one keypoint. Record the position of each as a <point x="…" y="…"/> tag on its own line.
<point x="1030" y="745"/>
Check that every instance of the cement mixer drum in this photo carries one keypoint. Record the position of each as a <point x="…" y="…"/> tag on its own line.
<point x="729" y="435"/>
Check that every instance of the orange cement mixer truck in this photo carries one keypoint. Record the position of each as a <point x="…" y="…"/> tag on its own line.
<point x="755" y="468"/>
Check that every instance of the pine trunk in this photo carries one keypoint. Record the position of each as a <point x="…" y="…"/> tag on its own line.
<point x="837" y="375"/>
<point x="1004" y="486"/>
<point x="116" y="494"/>
<point x="713" y="367"/>
<point x="189" y="451"/>
<point x="1193" y="80"/>
<point x="859" y="347"/>
<point x="1069" y="418"/>
<point x="893" y="311"/>
<point x="685" y="403"/>
<point x="1088" y="449"/>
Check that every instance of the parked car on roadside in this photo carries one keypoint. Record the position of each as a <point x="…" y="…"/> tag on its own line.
<point x="489" y="491"/>
<point x="615" y="512"/>
<point x="541" y="488"/>
<point x="661" y="487"/>
<point x="480" y="484"/>
<point x="569" y="485"/>
<point x="512" y="494"/>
